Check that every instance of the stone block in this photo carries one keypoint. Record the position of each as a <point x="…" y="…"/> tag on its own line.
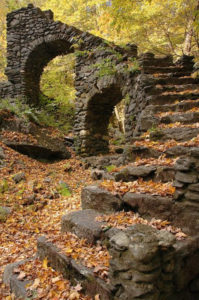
<point x="83" y="223"/>
<point x="186" y="177"/>
<point x="99" y="199"/>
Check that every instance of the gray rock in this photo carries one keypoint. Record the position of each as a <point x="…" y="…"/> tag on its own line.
<point x="194" y="152"/>
<point x="191" y="196"/>
<point x="19" y="177"/>
<point x="183" y="164"/>
<point x="177" y="150"/>
<point x="178" y="134"/>
<point x="72" y="270"/>
<point x="186" y="177"/>
<point x="2" y="155"/>
<point x="97" y="174"/>
<point x="144" y="244"/>
<point x="166" y="239"/>
<point x="83" y="224"/>
<point x="17" y="287"/>
<point x="131" y="173"/>
<point x="145" y="204"/>
<point x="99" y="199"/>
<point x="178" y="184"/>
<point x="8" y="272"/>
<point x="120" y="241"/>
<point x="4" y="213"/>
<point x="194" y="187"/>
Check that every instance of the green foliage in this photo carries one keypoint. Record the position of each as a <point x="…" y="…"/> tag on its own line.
<point x="105" y="67"/>
<point x="57" y="83"/>
<point x="3" y="214"/>
<point x="155" y="133"/>
<point x="153" y="128"/>
<point x="127" y="99"/>
<point x="133" y="65"/>
<point x="79" y="53"/>
<point x="64" y="190"/>
<point x="19" y="108"/>
<point x="4" y="186"/>
<point x="110" y="168"/>
<point x="118" y="141"/>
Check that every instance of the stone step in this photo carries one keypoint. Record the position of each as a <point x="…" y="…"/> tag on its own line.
<point x="152" y="116"/>
<point x="130" y="173"/>
<point x="170" y="99"/>
<point x="174" y="93"/>
<point x="182" y="106"/>
<point x="176" y="81"/>
<point x="157" y="61"/>
<point x="175" y="133"/>
<point x="73" y="270"/>
<point x="83" y="223"/>
<point x="149" y="205"/>
<point x="145" y="152"/>
<point x="96" y="198"/>
<point x="173" y="89"/>
<point x="10" y="279"/>
<point x="166" y="70"/>
<point x="146" y="253"/>
<point x="103" y="161"/>
<point x="184" y="118"/>
<point x="178" y="74"/>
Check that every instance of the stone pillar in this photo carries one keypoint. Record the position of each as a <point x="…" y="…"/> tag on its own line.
<point x="142" y="263"/>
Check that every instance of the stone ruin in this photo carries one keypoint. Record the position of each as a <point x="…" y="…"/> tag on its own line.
<point x="34" y="39"/>
<point x="146" y="263"/>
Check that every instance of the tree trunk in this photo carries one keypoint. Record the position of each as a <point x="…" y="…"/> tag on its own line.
<point x="188" y="38"/>
<point x="189" y="33"/>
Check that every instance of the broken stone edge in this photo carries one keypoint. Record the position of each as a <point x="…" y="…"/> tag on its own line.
<point x="72" y="270"/>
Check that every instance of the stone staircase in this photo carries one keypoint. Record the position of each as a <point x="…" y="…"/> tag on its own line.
<point x="153" y="186"/>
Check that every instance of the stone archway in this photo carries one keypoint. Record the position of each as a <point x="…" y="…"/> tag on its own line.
<point x="37" y="59"/>
<point x="102" y="77"/>
<point x="99" y="110"/>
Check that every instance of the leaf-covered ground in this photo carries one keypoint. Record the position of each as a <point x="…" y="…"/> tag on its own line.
<point x="38" y="202"/>
<point x="40" y="196"/>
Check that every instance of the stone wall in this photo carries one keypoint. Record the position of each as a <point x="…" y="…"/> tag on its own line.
<point x="149" y="264"/>
<point x="103" y="76"/>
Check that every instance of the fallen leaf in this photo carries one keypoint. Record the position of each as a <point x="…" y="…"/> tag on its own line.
<point x="54" y="280"/>
<point x="74" y="296"/>
<point x="21" y="276"/>
<point x="45" y="263"/>
<point x="35" y="284"/>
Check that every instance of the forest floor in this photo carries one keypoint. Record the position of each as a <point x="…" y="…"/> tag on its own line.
<point x="30" y="219"/>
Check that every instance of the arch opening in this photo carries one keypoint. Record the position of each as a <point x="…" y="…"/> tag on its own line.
<point x="99" y="111"/>
<point x="37" y="60"/>
<point x="57" y="88"/>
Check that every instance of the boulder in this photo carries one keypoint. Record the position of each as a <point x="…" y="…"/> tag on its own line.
<point x="2" y="155"/>
<point x="186" y="177"/>
<point x="19" y="177"/>
<point x="183" y="164"/>
<point x="4" y="213"/>
<point x="94" y="197"/>
<point x="149" y="205"/>
<point x="17" y="287"/>
<point x="83" y="224"/>
<point x="131" y="173"/>
<point x="31" y="139"/>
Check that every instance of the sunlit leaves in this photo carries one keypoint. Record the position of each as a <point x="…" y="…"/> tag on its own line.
<point x="139" y="186"/>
